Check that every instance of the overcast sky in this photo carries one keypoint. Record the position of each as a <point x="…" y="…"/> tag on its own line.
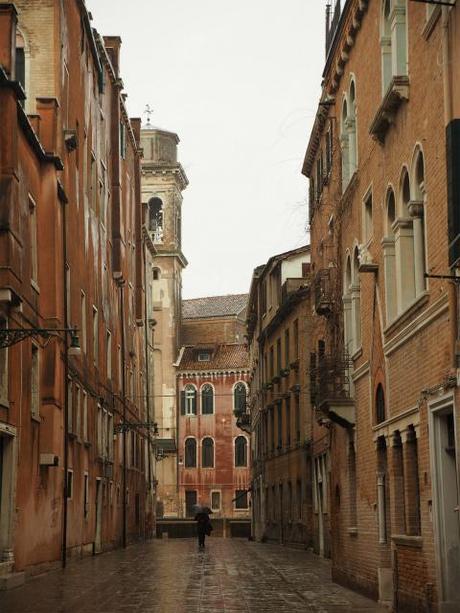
<point x="239" y="81"/>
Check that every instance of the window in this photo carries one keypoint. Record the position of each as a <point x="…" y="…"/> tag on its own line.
<point x="156" y="274"/>
<point x="35" y="382"/>
<point x="190" y="453"/>
<point x="4" y="368"/>
<point x="109" y="354"/>
<point x="271" y="363"/>
<point x="70" y="427"/>
<point x="95" y="335"/>
<point x="190" y="502"/>
<point x="297" y="417"/>
<point x="241" y="451"/>
<point x="188" y="400"/>
<point x="412" y="486"/>
<point x="279" y="365"/>
<point x="215" y="501"/>
<point x="156" y="218"/>
<point x="263" y="297"/>
<point x="286" y="348"/>
<point x="122" y="140"/>
<point x="404" y="247"/>
<point x="329" y="145"/>
<point x="367" y="217"/>
<point x="207" y="453"/>
<point x="279" y="413"/>
<point x="241" y="499"/>
<point x="388" y="244"/>
<point x="84" y="413"/>
<point x="348" y="138"/>
<point x="33" y="240"/>
<point x="204" y="356"/>
<point x="393" y="42"/>
<point x="207" y="399"/>
<point x="69" y="485"/>
<point x="85" y="495"/>
<point x="416" y="211"/>
<point x="77" y="411"/>
<point x="352" y="303"/>
<point x="296" y="339"/>
<point x="239" y="397"/>
<point x="288" y="422"/>
<point x="379" y="404"/>
<point x="83" y="320"/>
<point x="120" y="368"/>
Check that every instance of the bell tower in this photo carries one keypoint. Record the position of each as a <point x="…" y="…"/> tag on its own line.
<point x="163" y="181"/>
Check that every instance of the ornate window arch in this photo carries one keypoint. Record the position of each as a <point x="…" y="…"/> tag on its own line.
<point x="207" y="452"/>
<point x="388" y="244"/>
<point x="155" y="207"/>
<point x="404" y="245"/>
<point x="240" y="391"/>
<point x="188" y="400"/>
<point x="344" y="144"/>
<point x="417" y="212"/>
<point x="190" y="452"/>
<point x="207" y="399"/>
<point x="241" y="451"/>
<point x="393" y="41"/>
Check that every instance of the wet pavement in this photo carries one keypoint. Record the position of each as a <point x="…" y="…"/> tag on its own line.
<point x="172" y="576"/>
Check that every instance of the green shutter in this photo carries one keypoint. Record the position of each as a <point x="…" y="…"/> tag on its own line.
<point x="182" y="403"/>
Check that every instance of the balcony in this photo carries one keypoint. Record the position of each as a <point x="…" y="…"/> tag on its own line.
<point x="290" y="287"/>
<point x="243" y="422"/>
<point x="331" y="393"/>
<point x="323" y="292"/>
<point x="396" y="94"/>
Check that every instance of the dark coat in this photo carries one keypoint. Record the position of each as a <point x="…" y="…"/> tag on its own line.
<point x="203" y="523"/>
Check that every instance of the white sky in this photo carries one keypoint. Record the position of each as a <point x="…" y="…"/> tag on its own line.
<point x="239" y="81"/>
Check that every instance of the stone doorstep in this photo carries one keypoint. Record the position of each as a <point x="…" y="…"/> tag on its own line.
<point x="11" y="580"/>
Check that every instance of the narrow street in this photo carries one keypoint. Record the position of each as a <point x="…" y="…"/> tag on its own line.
<point x="173" y="577"/>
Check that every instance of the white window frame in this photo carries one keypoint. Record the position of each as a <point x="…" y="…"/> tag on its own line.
<point x="219" y="508"/>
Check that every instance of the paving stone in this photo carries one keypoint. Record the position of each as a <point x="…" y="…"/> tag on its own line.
<point x="171" y="576"/>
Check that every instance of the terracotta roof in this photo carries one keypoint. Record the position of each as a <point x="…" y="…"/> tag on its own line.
<point x="223" y="357"/>
<point x="214" y="306"/>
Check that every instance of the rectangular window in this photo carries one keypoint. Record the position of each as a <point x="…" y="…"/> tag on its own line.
<point x="84" y="414"/>
<point x="120" y="368"/>
<point x="288" y="422"/>
<point x="35" y="382"/>
<point x="286" y="348"/>
<point x="95" y="335"/>
<point x="4" y="369"/>
<point x="77" y="411"/>
<point x="190" y="502"/>
<point x="241" y="499"/>
<point x="215" y="501"/>
<point x="33" y="240"/>
<point x="279" y="413"/>
<point x="110" y="437"/>
<point x="99" y="426"/>
<point x="296" y="339"/>
<point x="279" y="365"/>
<point x="109" y="354"/>
<point x="85" y="495"/>
<point x="83" y="320"/>
<point x="69" y="484"/>
<point x="272" y="365"/>
<point x="69" y="406"/>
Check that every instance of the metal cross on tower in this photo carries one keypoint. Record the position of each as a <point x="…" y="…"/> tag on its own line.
<point x="148" y="111"/>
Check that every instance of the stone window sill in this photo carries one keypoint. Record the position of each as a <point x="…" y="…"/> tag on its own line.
<point x="407" y="314"/>
<point x="407" y="541"/>
<point x="397" y="93"/>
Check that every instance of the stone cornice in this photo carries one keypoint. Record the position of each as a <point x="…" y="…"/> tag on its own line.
<point x="156" y="169"/>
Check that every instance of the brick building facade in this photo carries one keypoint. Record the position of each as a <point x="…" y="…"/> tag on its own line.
<point x="383" y="208"/>
<point x="212" y="375"/>
<point x="71" y="258"/>
<point x="278" y="331"/>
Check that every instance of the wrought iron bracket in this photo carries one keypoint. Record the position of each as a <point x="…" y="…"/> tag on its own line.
<point x="11" y="336"/>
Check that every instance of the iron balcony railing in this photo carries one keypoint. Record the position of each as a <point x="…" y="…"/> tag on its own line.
<point x="330" y="379"/>
<point x="324" y="292"/>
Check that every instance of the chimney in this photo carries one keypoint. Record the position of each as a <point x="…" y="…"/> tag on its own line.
<point x="8" y="21"/>
<point x="112" y="45"/>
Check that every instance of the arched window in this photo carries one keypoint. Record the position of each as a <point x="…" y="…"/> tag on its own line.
<point x="356" y="301"/>
<point x="404" y="247"/>
<point x="207" y="453"/>
<point x="156" y="218"/>
<point x="388" y="244"/>
<point x="239" y="398"/>
<point x="190" y="453"/>
<point x="241" y="451"/>
<point x="344" y="143"/>
<point x="393" y="41"/>
<point x="417" y="212"/>
<point x="379" y="404"/>
<point x="207" y="399"/>
<point x="347" y="308"/>
<point x="188" y="400"/>
<point x="351" y="128"/>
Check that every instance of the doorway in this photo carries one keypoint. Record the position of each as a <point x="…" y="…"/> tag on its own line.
<point x="444" y="452"/>
<point x="98" y="535"/>
<point x="190" y="502"/>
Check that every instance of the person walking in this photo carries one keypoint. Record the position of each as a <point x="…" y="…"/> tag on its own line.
<point x="204" y="527"/>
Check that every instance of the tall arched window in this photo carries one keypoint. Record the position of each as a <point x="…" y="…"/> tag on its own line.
<point x="190" y="453"/>
<point x="351" y="128"/>
<point x="207" y="399"/>
<point x="207" y="453"/>
<point x="388" y="244"/>
<point x="241" y="451"/>
<point x="347" y="310"/>
<point x="156" y="217"/>
<point x="379" y="404"/>
<point x="393" y="41"/>
<point x="417" y="212"/>
<point x="404" y="246"/>
<point x="344" y="144"/>
<point x="239" y="398"/>
<point x="356" y="301"/>
<point x="188" y="400"/>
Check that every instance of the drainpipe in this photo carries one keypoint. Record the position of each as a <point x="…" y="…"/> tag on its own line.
<point x="66" y="387"/>
<point x="447" y="86"/>
<point x="123" y="393"/>
<point x="147" y="373"/>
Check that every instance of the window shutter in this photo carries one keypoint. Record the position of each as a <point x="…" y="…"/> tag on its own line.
<point x="453" y="190"/>
<point x="194" y="403"/>
<point x="182" y="402"/>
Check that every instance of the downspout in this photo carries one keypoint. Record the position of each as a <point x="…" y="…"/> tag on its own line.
<point x="447" y="86"/>
<point x="147" y="374"/>
<point x="123" y="393"/>
<point x="66" y="388"/>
